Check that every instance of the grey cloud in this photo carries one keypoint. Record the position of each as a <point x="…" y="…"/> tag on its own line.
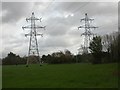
<point x="94" y="9"/>
<point x="69" y="6"/>
<point x="101" y="8"/>
<point x="54" y="41"/>
<point x="119" y="14"/>
<point x="60" y="26"/>
<point x="14" y="11"/>
<point x="82" y="7"/>
<point x="57" y="27"/>
<point x="61" y="32"/>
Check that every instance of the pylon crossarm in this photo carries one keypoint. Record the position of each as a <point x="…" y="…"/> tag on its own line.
<point x="31" y="18"/>
<point x="37" y="19"/>
<point x="86" y="19"/>
<point x="85" y="33"/>
<point x="40" y="35"/>
<point x="39" y="27"/>
<point x="80" y="27"/>
<point x="26" y="27"/>
<point x="90" y="19"/>
<point x="29" y="27"/>
<point x="88" y="27"/>
<point x="82" y="19"/>
<point x="27" y="35"/>
<point x="93" y="27"/>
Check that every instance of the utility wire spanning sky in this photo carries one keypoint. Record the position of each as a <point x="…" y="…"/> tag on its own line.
<point x="61" y="19"/>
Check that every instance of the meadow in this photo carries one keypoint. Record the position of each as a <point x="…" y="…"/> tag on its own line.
<point x="60" y="76"/>
<point x="0" y="76"/>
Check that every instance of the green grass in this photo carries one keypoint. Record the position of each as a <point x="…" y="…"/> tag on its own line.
<point x="60" y="76"/>
<point x="0" y="76"/>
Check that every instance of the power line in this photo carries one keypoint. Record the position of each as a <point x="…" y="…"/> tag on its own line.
<point x="106" y="25"/>
<point x="48" y="6"/>
<point x="80" y="8"/>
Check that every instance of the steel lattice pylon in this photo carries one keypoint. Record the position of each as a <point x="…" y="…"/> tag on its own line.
<point x="33" y="44"/>
<point x="88" y="34"/>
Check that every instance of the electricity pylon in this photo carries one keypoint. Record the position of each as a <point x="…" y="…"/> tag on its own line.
<point x="33" y="44"/>
<point x="87" y="34"/>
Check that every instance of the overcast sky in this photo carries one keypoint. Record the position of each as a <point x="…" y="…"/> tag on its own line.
<point x="61" y="20"/>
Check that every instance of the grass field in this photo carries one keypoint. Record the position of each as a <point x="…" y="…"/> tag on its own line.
<point x="0" y="76"/>
<point x="60" y="76"/>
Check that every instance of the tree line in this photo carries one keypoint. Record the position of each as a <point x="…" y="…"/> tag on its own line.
<point x="104" y="49"/>
<point x="13" y="59"/>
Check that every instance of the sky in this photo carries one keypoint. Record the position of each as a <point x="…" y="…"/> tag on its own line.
<point x="61" y="19"/>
